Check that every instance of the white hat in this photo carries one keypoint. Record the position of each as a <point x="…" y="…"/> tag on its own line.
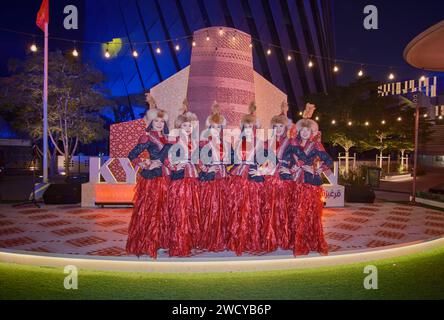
<point x="153" y="111"/>
<point x="215" y="117"/>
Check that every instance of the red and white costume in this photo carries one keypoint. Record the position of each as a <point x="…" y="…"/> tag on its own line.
<point x="245" y="196"/>
<point x="183" y="194"/>
<point x="148" y="228"/>
<point x="214" y="185"/>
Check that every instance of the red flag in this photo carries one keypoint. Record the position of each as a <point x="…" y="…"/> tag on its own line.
<point x="43" y="15"/>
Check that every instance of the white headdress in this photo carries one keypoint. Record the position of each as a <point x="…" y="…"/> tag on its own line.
<point x="185" y="115"/>
<point x="251" y="117"/>
<point x="215" y="117"/>
<point x="307" y="121"/>
<point x="153" y="111"/>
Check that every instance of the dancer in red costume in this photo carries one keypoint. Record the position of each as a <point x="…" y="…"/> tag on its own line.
<point x="309" y="233"/>
<point x="213" y="184"/>
<point x="277" y="189"/>
<point x="148" y="228"/>
<point x="183" y="192"/>
<point x="245" y="192"/>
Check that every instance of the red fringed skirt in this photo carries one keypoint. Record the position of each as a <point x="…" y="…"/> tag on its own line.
<point x="245" y="199"/>
<point x="184" y="210"/>
<point x="214" y="214"/>
<point x="307" y="229"/>
<point x="277" y="214"/>
<point x="148" y="228"/>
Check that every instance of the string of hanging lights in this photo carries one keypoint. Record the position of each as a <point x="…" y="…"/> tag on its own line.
<point x="291" y="55"/>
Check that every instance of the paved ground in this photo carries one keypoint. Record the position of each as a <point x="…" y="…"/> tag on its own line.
<point x="103" y="232"/>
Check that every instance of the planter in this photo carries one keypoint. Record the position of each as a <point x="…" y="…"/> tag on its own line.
<point x="359" y="194"/>
<point x="398" y="177"/>
<point x="432" y="203"/>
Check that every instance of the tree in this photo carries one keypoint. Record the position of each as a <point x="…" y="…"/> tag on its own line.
<point x="75" y="97"/>
<point x="356" y="116"/>
<point x="341" y="139"/>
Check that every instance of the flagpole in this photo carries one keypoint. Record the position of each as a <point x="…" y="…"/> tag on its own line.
<point x="45" y="108"/>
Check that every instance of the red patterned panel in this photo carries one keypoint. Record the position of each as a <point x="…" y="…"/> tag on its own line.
<point x="123" y="138"/>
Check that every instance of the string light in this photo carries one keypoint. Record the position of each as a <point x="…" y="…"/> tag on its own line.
<point x="426" y="115"/>
<point x="317" y="118"/>
<point x="350" y="123"/>
<point x="107" y="55"/>
<point x="333" y="122"/>
<point x="135" y="54"/>
<point x="383" y="122"/>
<point x="367" y="123"/>
<point x="399" y="119"/>
<point x="300" y="113"/>
<point x="440" y="117"/>
<point x="310" y="64"/>
<point x="75" y="53"/>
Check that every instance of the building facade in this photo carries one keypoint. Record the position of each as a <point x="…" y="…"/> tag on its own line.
<point x="303" y="26"/>
<point x="431" y="152"/>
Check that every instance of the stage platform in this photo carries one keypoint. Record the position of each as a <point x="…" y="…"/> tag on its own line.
<point x="95" y="238"/>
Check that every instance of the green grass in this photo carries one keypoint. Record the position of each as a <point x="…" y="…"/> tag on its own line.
<point x="419" y="276"/>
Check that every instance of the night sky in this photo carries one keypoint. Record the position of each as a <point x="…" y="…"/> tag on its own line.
<point x="399" y="22"/>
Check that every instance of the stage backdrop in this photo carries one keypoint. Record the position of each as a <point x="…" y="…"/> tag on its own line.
<point x="221" y="69"/>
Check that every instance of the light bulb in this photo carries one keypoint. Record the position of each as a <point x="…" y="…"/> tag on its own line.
<point x="75" y="53"/>
<point x="335" y="69"/>
<point x="367" y="123"/>
<point x="350" y="123"/>
<point x="391" y="76"/>
<point x="333" y="121"/>
<point x="360" y="73"/>
<point x="289" y="58"/>
<point x="423" y="78"/>
<point x="251" y="45"/>
<point x="269" y="51"/>
<point x="135" y="54"/>
<point x="107" y="55"/>
<point x="158" y="50"/>
<point x="208" y="38"/>
<point x="399" y="119"/>
<point x="177" y="47"/>
<point x="33" y="47"/>
<point x="194" y="43"/>
<point x="310" y="64"/>
<point x="383" y="122"/>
